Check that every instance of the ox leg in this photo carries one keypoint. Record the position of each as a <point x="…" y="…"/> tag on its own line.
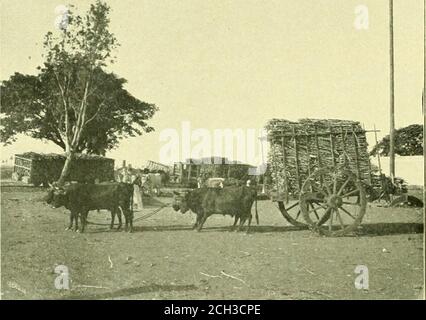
<point x="202" y="221"/>
<point x="235" y="223"/>
<point x="195" y="224"/>
<point x="120" y="223"/>
<point x="128" y="215"/>
<point x="76" y="222"/>
<point x="83" y="217"/>
<point x="71" y="221"/>
<point x="242" y="221"/>
<point x="119" y="212"/>
<point x="130" y="220"/>
<point x="249" y="223"/>
<point x="197" y="221"/>
<point x="113" y="212"/>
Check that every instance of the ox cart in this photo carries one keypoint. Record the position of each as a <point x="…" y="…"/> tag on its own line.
<point x="42" y="169"/>
<point x="318" y="172"/>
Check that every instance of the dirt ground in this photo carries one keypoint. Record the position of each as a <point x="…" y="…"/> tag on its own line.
<point x="165" y="259"/>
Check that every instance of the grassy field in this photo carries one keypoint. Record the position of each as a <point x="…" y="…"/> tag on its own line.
<point x="165" y="259"/>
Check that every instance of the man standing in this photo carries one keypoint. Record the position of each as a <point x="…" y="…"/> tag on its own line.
<point x="137" y="196"/>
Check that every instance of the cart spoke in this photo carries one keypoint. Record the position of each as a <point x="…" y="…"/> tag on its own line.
<point x="315" y="199"/>
<point x="315" y="211"/>
<point x="330" y="222"/>
<point x="350" y="193"/>
<point x="320" y="205"/>
<point x="334" y="184"/>
<point x="328" y="189"/>
<point x="291" y="213"/>
<point x="292" y="206"/>
<point x="348" y="213"/>
<point x="298" y="214"/>
<point x="324" y="217"/>
<point x="343" y="186"/>
<point x="340" y="219"/>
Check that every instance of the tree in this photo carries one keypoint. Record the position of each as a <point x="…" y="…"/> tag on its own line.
<point x="408" y="142"/>
<point x="73" y="101"/>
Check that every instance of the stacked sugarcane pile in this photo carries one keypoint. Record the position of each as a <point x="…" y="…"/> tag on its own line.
<point x="298" y="148"/>
<point x="408" y="142"/>
<point x="42" y="168"/>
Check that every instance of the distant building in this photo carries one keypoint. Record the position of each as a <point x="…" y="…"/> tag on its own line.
<point x="153" y="166"/>
<point x="126" y="173"/>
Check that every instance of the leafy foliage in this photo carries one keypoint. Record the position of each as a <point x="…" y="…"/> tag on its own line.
<point x="408" y="142"/>
<point x="73" y="101"/>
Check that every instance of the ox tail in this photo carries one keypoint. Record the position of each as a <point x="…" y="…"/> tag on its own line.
<point x="255" y="207"/>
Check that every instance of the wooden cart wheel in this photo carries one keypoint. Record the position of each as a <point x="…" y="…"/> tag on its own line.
<point x="292" y="214"/>
<point x="336" y="196"/>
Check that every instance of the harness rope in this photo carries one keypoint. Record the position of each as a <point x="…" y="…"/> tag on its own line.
<point x="143" y="217"/>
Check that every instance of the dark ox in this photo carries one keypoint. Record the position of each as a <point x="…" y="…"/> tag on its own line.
<point x="82" y="198"/>
<point x="235" y="201"/>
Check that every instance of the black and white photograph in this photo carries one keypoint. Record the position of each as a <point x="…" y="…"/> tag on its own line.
<point x="237" y="150"/>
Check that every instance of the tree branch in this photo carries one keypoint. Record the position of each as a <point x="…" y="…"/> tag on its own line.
<point x="64" y="100"/>
<point x="96" y="113"/>
<point x="82" y="114"/>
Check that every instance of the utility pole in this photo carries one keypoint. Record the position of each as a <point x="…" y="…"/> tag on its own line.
<point x="392" y="102"/>
<point x="424" y="93"/>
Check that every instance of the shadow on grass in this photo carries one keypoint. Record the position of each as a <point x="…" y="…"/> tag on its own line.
<point x="126" y="292"/>
<point x="253" y="229"/>
<point x="384" y="229"/>
<point x="371" y="229"/>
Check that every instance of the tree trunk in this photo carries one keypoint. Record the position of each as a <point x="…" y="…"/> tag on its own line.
<point x="66" y="168"/>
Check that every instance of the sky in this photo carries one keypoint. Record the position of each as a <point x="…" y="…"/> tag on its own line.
<point x="235" y="64"/>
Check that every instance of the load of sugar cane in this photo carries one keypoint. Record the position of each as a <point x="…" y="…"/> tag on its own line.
<point x="297" y="149"/>
<point x="45" y="168"/>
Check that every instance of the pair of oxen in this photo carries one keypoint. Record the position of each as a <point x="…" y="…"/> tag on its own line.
<point x="117" y="197"/>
